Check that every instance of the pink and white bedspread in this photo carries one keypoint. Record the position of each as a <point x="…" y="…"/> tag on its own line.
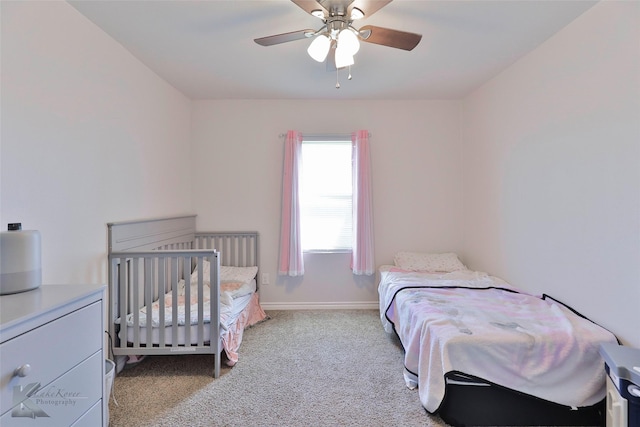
<point x="476" y="324"/>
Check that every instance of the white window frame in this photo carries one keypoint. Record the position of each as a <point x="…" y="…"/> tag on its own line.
<point x="326" y="139"/>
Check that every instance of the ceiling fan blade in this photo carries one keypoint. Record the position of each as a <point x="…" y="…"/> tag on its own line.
<point x="283" y="38"/>
<point x="369" y="7"/>
<point x="388" y="37"/>
<point x="310" y="5"/>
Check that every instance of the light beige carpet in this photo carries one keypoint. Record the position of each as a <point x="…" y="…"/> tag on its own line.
<point x="299" y="368"/>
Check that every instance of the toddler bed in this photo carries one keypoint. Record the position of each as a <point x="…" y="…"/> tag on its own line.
<point x="173" y="290"/>
<point x="482" y="352"/>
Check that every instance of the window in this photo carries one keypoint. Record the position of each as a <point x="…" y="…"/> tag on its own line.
<point x="326" y="194"/>
<point x="332" y="223"/>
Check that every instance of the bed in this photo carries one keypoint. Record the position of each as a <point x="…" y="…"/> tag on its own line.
<point x="174" y="290"/>
<point x="482" y="352"/>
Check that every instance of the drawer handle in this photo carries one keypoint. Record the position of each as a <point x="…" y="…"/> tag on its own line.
<point x="23" y="370"/>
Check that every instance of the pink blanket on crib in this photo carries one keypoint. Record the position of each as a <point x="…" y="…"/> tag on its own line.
<point x="523" y="342"/>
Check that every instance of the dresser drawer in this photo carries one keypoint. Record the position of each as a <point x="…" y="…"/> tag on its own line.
<point x="50" y="351"/>
<point x="61" y="402"/>
<point x="92" y="418"/>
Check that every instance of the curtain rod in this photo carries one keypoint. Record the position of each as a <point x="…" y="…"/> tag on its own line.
<point x="324" y="135"/>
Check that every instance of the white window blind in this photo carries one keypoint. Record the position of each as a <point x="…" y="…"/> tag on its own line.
<point x="326" y="194"/>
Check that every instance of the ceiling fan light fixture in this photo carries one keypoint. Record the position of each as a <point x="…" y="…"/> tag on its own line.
<point x="348" y="41"/>
<point x="343" y="58"/>
<point x="356" y="13"/>
<point x="337" y="41"/>
<point x="319" y="48"/>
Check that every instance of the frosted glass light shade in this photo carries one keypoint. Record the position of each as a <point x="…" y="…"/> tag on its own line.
<point x="343" y="57"/>
<point x="319" y="48"/>
<point x="356" y="13"/>
<point x="348" y="41"/>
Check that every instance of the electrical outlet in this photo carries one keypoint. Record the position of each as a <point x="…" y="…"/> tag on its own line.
<point x="265" y="279"/>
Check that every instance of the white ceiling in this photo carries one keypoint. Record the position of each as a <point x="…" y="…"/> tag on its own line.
<point x="206" y="50"/>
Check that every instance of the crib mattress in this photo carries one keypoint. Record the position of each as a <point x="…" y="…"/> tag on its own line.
<point x="228" y="318"/>
<point x="246" y="312"/>
<point x="159" y="316"/>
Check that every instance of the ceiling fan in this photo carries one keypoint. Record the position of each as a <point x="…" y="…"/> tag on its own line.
<point x="337" y="40"/>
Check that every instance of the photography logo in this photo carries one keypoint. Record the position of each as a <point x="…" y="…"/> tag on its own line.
<point x="29" y="400"/>
<point x="23" y="404"/>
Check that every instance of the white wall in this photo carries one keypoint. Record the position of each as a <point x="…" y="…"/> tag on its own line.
<point x="89" y="135"/>
<point x="552" y="162"/>
<point x="415" y="151"/>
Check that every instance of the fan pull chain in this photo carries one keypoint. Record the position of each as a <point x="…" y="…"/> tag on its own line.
<point x="349" y="77"/>
<point x="337" y="81"/>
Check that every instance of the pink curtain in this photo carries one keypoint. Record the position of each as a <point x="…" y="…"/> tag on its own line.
<point x="291" y="262"/>
<point x="362" y="261"/>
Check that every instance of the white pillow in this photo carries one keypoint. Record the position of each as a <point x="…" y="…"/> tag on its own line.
<point x="227" y="273"/>
<point x="237" y="274"/>
<point x="417" y="261"/>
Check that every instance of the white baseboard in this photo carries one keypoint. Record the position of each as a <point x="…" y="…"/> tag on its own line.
<point x="354" y="305"/>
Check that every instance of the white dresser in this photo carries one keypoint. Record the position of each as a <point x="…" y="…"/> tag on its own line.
<point x="51" y="356"/>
